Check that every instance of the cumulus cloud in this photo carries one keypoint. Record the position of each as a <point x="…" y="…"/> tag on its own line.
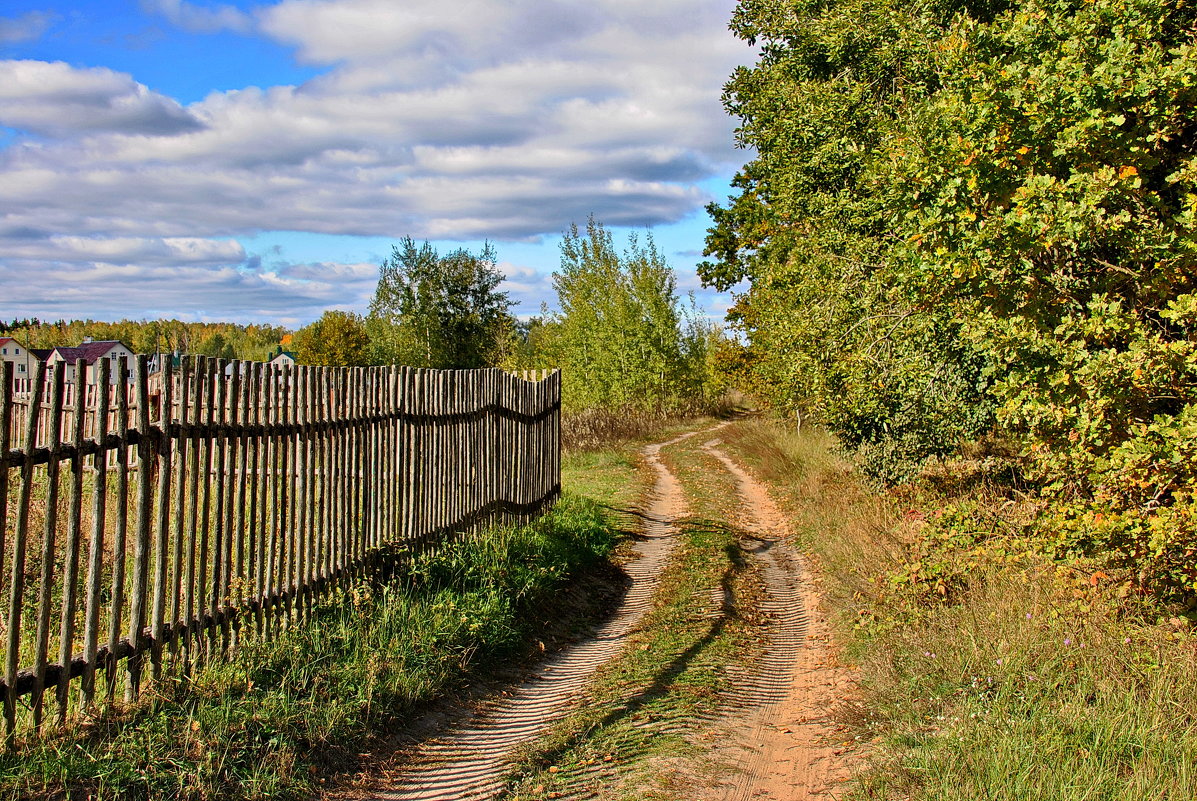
<point x="250" y="291"/>
<point x="56" y="99"/>
<point x="24" y="28"/>
<point x="143" y="251"/>
<point x="467" y="121"/>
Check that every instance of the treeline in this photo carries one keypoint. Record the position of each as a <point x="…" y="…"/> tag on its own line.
<point x="221" y="340"/>
<point x="975" y="220"/>
<point x="621" y="335"/>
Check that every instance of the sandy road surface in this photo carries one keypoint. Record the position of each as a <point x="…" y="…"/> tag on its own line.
<point x="469" y="761"/>
<point x="781" y="737"/>
<point x="778" y="739"/>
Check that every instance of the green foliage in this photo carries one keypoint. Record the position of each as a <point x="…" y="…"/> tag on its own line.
<point x="215" y="346"/>
<point x="1053" y="205"/>
<point x="621" y="337"/>
<point x="529" y="343"/>
<point x="439" y="311"/>
<point x="829" y="332"/>
<point x="967" y="215"/>
<point x="225" y="340"/>
<point x="337" y="339"/>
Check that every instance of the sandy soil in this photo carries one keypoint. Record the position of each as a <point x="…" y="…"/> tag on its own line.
<point x="779" y="733"/>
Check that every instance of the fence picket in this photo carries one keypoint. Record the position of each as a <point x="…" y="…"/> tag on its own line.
<point x="95" y="564"/>
<point x="258" y="489"/>
<point x="49" y="535"/>
<point x="165" y="453"/>
<point x="70" y="575"/>
<point x="145" y="511"/>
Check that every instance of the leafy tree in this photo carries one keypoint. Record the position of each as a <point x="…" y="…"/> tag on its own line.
<point x="439" y="311"/>
<point x="1053" y="202"/>
<point x="530" y="343"/>
<point x="337" y="339"/>
<point x="215" y="346"/>
<point x="963" y="215"/>
<point x="829" y="330"/>
<point x="618" y="335"/>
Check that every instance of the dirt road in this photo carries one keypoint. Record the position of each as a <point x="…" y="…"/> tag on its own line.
<point x="469" y="762"/>
<point x="782" y="736"/>
<point x="776" y="739"/>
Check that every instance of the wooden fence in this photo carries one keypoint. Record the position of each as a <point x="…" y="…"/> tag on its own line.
<point x="160" y="519"/>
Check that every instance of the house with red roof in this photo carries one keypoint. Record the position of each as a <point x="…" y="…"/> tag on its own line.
<point x="91" y="353"/>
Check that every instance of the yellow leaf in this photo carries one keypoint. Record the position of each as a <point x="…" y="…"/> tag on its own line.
<point x="1127" y="172"/>
<point x="1022" y="151"/>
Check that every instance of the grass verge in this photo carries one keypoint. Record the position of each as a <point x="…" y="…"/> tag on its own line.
<point x="988" y="670"/>
<point x="270" y="722"/>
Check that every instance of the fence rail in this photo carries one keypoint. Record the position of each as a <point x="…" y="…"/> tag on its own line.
<point x="150" y="523"/>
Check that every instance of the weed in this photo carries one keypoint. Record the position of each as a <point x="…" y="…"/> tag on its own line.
<point x="989" y="670"/>
<point x="278" y="716"/>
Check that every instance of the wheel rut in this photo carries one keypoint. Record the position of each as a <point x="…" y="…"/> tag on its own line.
<point x="469" y="760"/>
<point x="780" y="735"/>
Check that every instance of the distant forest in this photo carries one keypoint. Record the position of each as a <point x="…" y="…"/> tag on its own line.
<point x="221" y="340"/>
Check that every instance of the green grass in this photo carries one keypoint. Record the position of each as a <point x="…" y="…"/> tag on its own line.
<point x="643" y="727"/>
<point x="1024" y="679"/>
<point x="279" y="716"/>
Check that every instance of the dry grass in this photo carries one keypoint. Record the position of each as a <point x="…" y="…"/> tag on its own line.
<point x="1025" y="678"/>
<point x="595" y="429"/>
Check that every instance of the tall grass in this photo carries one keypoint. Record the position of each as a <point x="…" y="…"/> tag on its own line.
<point x="280" y="715"/>
<point x="988" y="670"/>
<point x="596" y="428"/>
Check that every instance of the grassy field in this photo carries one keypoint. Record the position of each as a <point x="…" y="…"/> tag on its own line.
<point x="988" y="670"/>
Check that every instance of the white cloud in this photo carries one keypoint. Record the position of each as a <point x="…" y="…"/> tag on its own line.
<point x="147" y="252"/>
<point x="199" y="19"/>
<point x="25" y="28"/>
<point x="464" y="121"/>
<point x="245" y="291"/>
<point x="57" y="99"/>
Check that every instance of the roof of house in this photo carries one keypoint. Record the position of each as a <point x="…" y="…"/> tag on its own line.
<point x="6" y="340"/>
<point x="89" y="351"/>
<point x="41" y="353"/>
<point x="290" y="355"/>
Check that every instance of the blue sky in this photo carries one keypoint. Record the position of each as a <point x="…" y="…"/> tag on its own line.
<point x="255" y="161"/>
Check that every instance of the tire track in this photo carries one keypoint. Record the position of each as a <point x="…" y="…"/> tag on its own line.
<point x="469" y="761"/>
<point x="779" y="722"/>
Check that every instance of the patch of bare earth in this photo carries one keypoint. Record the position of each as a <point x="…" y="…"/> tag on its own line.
<point x="779" y="737"/>
<point x="465" y="754"/>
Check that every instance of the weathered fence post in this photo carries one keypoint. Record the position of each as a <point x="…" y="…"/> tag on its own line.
<point x="258" y="489"/>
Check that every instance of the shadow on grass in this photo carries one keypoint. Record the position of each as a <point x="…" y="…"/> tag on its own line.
<point x="662" y="681"/>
